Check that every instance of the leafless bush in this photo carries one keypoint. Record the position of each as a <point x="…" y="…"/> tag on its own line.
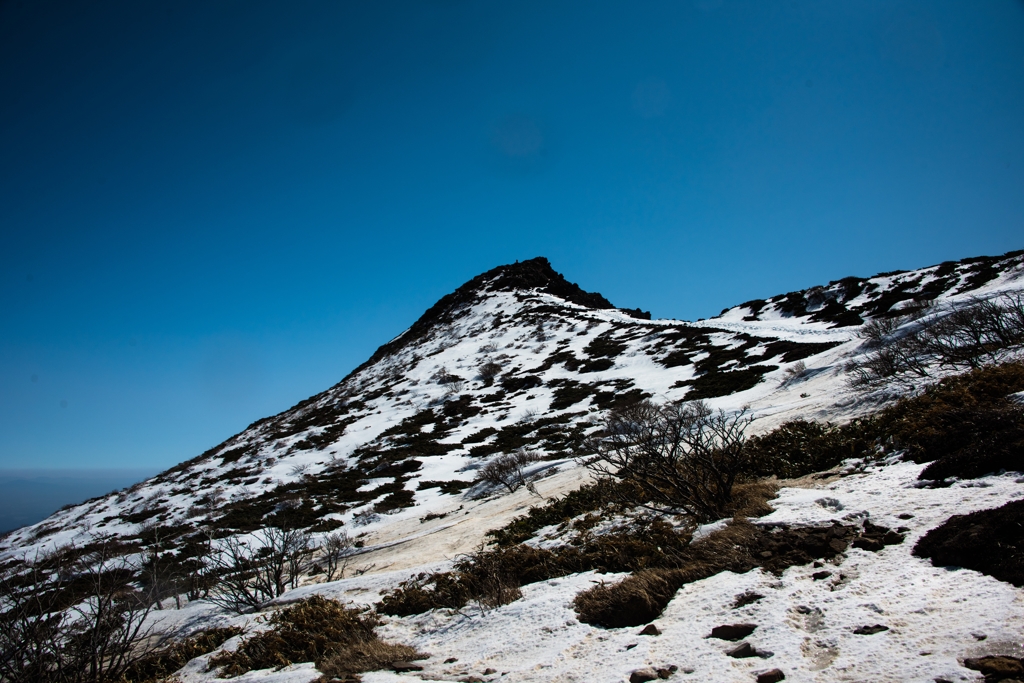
<point x="250" y="574"/>
<point x="452" y="383"/>
<point x="299" y="470"/>
<point x="507" y="469"/>
<point x="795" y="372"/>
<point x="337" y="551"/>
<point x="681" y="456"/>
<point x="488" y="371"/>
<point x="964" y="336"/>
<point x="72" y="617"/>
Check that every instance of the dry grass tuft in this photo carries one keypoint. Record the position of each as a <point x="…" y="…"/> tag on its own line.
<point x="372" y="655"/>
<point x="315" y="630"/>
<point x="751" y="499"/>
<point x="739" y="547"/>
<point x="635" y="600"/>
<point x="163" y="662"/>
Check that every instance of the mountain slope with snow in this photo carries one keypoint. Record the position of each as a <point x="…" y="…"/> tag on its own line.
<point x="517" y="357"/>
<point x="520" y="358"/>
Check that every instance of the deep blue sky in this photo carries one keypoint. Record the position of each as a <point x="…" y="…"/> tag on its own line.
<point x="212" y="210"/>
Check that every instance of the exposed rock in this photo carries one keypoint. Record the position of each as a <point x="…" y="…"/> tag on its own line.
<point x="869" y="630"/>
<point x="996" y="667"/>
<point x="488" y="671"/>
<point x="732" y="631"/>
<point x="771" y="676"/>
<point x="643" y="675"/>
<point x="870" y="544"/>
<point x="744" y="599"/>
<point x="451" y="660"/>
<point x="818" y="576"/>
<point x="402" y="667"/>
<point x="742" y="651"/>
<point x="650" y="630"/>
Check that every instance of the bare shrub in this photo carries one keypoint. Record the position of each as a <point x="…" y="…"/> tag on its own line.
<point x="452" y="383"/>
<point x="488" y="371"/>
<point x="964" y="336"/>
<point x="337" y="551"/>
<point x="507" y="469"/>
<point x="249" y="575"/>
<point x="681" y="456"/>
<point x="72" y="617"/>
<point x="794" y="372"/>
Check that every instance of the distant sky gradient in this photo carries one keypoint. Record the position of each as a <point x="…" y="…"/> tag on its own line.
<point x="212" y="210"/>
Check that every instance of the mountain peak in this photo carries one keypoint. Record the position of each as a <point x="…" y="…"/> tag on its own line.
<point x="534" y="274"/>
<point x="537" y="273"/>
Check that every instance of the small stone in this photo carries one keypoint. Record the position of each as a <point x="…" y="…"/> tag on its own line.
<point x="488" y="671"/>
<point x="979" y="636"/>
<point x="643" y="675"/>
<point x="650" y="630"/>
<point x="742" y="651"/>
<point x="471" y="679"/>
<point x="664" y="673"/>
<point x="631" y="646"/>
<point x="732" y="631"/>
<point x="772" y="676"/>
<point x="905" y="515"/>
<point x="401" y="667"/>
<point x="818" y="576"/>
<point x="869" y="630"/>
<point x="451" y="660"/>
<point x="766" y="554"/>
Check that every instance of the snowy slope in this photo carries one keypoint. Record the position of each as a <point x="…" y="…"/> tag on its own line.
<point x="418" y="410"/>
<point x="520" y="357"/>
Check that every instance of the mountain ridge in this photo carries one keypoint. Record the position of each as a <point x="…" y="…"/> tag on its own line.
<point x="564" y="356"/>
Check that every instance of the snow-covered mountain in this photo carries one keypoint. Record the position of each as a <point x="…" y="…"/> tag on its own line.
<point x="520" y="358"/>
<point x="515" y="357"/>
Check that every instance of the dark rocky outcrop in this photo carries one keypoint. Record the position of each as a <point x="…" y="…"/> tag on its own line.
<point x="988" y="541"/>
